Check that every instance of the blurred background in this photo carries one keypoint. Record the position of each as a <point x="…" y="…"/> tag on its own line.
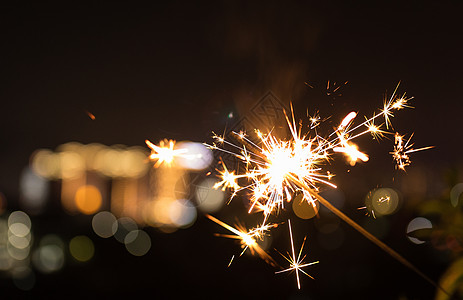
<point x="83" y="213"/>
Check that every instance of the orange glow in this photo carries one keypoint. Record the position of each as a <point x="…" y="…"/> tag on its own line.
<point x="88" y="199"/>
<point x="90" y="115"/>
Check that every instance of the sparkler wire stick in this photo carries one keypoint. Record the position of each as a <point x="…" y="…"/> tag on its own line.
<point x="366" y="234"/>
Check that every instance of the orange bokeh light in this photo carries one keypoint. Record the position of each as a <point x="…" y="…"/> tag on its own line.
<point x="88" y="199"/>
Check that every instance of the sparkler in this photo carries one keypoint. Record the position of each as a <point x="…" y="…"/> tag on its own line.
<point x="276" y="169"/>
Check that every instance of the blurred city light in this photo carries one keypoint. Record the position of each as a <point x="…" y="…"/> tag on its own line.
<point x="33" y="191"/>
<point x="49" y="256"/>
<point x="88" y="199"/>
<point x="137" y="242"/>
<point x="104" y="224"/>
<point x="122" y="227"/>
<point x="81" y="248"/>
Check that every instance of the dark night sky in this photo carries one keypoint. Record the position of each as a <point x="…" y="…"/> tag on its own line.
<point x="175" y="69"/>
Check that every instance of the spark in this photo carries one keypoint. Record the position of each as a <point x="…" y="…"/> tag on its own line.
<point x="394" y="103"/>
<point x="402" y="149"/>
<point x="228" y="179"/>
<point x="296" y="263"/>
<point x="231" y="260"/>
<point x="375" y="130"/>
<point x="248" y="239"/>
<point x="165" y="153"/>
<point x="331" y="89"/>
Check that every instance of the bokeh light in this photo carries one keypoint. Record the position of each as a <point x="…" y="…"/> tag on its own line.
<point x="382" y="201"/>
<point x="209" y="199"/>
<point x="158" y="213"/>
<point x="455" y="194"/>
<point x="72" y="160"/>
<point x="104" y="224"/>
<point x="6" y="261"/>
<point x="46" y="163"/>
<point x="122" y="227"/>
<point x="417" y="224"/>
<point x="19" y="217"/>
<point x="118" y="161"/>
<point x="33" y="191"/>
<point x="49" y="256"/>
<point x="19" y="235"/>
<point x="88" y="199"/>
<point x="72" y="165"/>
<point x="182" y="213"/>
<point x="198" y="156"/>
<point x="81" y="248"/>
<point x="303" y="209"/>
<point x="137" y="242"/>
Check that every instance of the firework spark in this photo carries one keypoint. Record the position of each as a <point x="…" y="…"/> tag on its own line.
<point x="296" y="263"/>
<point x="165" y="153"/>
<point x="401" y="151"/>
<point x="248" y="239"/>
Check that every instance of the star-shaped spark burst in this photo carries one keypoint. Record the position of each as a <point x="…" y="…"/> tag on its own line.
<point x="296" y="263"/>
<point x="164" y="154"/>
<point x="229" y="179"/>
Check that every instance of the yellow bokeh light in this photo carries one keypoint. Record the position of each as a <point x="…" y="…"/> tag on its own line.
<point x="46" y="164"/>
<point x="303" y="209"/>
<point x="81" y="248"/>
<point x="88" y="199"/>
<point x="72" y="164"/>
<point x="385" y="201"/>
